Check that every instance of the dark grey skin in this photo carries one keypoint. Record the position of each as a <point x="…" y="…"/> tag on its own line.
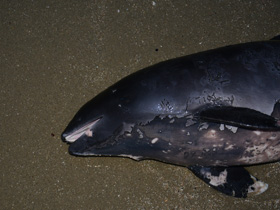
<point x="208" y="111"/>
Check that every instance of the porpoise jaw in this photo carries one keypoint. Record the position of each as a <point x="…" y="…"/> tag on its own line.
<point x="84" y="130"/>
<point x="209" y="111"/>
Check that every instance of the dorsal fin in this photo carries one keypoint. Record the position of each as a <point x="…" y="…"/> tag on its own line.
<point x="276" y="110"/>
<point x="276" y="38"/>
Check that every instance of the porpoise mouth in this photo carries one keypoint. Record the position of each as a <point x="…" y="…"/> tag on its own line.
<point x="86" y="129"/>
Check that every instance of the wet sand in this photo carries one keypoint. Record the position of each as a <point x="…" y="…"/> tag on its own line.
<point x="57" y="55"/>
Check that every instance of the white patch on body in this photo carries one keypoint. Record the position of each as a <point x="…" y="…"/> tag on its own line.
<point x="258" y="187"/>
<point x="203" y="126"/>
<point x="260" y="153"/>
<point x="222" y="127"/>
<point x="210" y="134"/>
<point x="89" y="133"/>
<point x="257" y="133"/>
<point x="131" y="156"/>
<point x="216" y="180"/>
<point x="140" y="133"/>
<point x="232" y="128"/>
<point x="261" y="147"/>
<point x="183" y="114"/>
<point x="127" y="128"/>
<point x="213" y="132"/>
<point x="218" y="162"/>
<point x="272" y="137"/>
<point x="229" y="147"/>
<point x="154" y="140"/>
<point x="172" y="121"/>
<point x="257" y="149"/>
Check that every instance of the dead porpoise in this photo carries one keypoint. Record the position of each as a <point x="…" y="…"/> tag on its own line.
<point x="213" y="112"/>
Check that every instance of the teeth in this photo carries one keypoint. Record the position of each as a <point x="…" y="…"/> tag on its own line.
<point x="83" y="130"/>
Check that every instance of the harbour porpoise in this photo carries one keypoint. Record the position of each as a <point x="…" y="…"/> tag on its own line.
<point x="213" y="112"/>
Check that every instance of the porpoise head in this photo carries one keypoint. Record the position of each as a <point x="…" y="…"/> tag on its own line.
<point x="99" y="125"/>
<point x="95" y="125"/>
<point x="105" y="131"/>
